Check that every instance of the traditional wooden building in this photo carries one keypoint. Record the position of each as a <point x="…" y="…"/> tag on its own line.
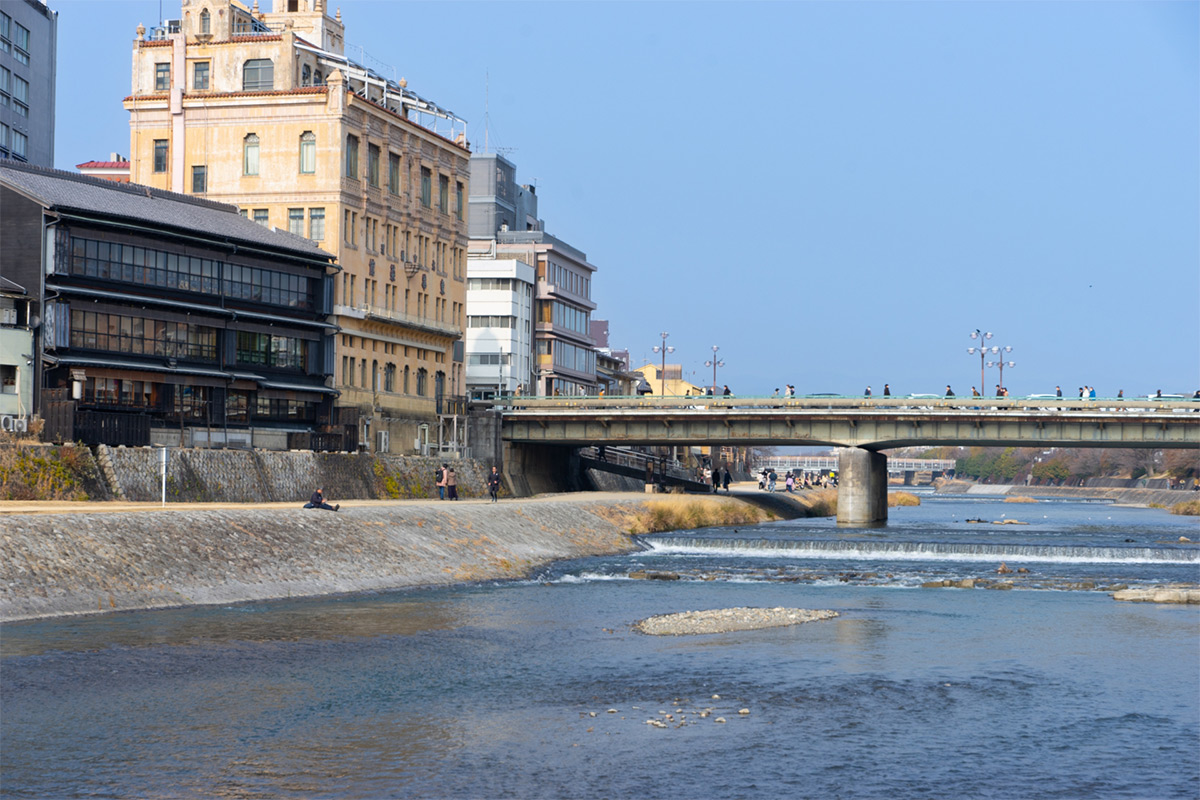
<point x="163" y="318"/>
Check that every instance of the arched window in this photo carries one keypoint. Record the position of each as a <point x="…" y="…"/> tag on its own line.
<point x="422" y="374"/>
<point x="374" y="376"/>
<point x="205" y="22"/>
<point x="250" y="154"/>
<point x="308" y="152"/>
<point x="318" y="79"/>
<point x="258" y="74"/>
<point x="305" y="75"/>
<point x="406" y="371"/>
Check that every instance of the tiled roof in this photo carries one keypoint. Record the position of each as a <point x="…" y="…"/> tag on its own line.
<point x="70" y="191"/>
<point x="103" y="165"/>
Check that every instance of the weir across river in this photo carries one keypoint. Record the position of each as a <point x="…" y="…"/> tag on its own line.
<point x="862" y="427"/>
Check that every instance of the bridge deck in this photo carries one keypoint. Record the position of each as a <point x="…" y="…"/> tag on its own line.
<point x="870" y="423"/>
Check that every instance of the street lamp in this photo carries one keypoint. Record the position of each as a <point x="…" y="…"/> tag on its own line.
<point x="983" y="351"/>
<point x="662" y="375"/>
<point x="714" y="363"/>
<point x="1002" y="363"/>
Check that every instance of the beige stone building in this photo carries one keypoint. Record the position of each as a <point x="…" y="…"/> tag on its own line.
<point x="265" y="111"/>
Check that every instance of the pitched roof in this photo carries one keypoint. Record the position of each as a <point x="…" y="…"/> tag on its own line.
<point x="70" y="191"/>
<point x="103" y="165"/>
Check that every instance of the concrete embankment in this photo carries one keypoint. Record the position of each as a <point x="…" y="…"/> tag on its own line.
<point x="60" y="560"/>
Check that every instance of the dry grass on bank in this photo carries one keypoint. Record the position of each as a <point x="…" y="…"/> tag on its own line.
<point x="1019" y="499"/>
<point x="43" y="473"/>
<point x="902" y="499"/>
<point x="681" y="513"/>
<point x="1188" y="508"/>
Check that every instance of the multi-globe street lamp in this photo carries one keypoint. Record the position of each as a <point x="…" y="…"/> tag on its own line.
<point x="662" y="376"/>
<point x="714" y="363"/>
<point x="1001" y="363"/>
<point x="983" y="351"/>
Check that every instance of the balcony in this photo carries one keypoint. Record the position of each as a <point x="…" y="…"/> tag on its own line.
<point x="390" y="316"/>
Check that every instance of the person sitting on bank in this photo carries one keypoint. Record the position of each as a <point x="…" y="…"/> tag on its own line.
<point x="318" y="501"/>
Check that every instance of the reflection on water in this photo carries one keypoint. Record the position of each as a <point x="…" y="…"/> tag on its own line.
<point x="267" y="621"/>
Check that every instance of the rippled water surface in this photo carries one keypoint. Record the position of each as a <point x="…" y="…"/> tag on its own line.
<point x="489" y="691"/>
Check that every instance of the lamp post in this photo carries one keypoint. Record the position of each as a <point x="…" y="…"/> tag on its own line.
<point x="714" y="363"/>
<point x="662" y="375"/>
<point x="983" y="351"/>
<point x="1002" y="363"/>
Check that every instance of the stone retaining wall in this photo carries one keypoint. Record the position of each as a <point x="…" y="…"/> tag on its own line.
<point x="76" y="563"/>
<point x="1162" y="497"/>
<point x="246" y="476"/>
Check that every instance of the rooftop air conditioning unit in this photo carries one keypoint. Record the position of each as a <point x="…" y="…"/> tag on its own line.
<point x="174" y="25"/>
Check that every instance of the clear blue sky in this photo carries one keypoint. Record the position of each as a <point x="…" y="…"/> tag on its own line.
<point x="836" y="194"/>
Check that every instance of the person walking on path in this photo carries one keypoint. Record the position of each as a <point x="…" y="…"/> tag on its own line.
<point x="441" y="481"/>
<point x="771" y="478"/>
<point x="789" y="482"/>
<point x="725" y="479"/>
<point x="451" y="484"/>
<point x="318" y="501"/>
<point x="493" y="484"/>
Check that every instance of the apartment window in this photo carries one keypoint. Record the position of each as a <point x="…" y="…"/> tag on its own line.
<point x="458" y="200"/>
<point x="308" y="153"/>
<point x="160" y="155"/>
<point x="296" y="221"/>
<point x="261" y="216"/>
<point x="20" y="108"/>
<point x="199" y="176"/>
<point x="373" y="164"/>
<point x="316" y="224"/>
<point x="20" y="143"/>
<point x="443" y="194"/>
<point x="5" y="80"/>
<point x="352" y="156"/>
<point x="205" y="22"/>
<point x="350" y="228"/>
<point x="393" y="173"/>
<point x="162" y="76"/>
<point x="20" y="89"/>
<point x="250" y="154"/>
<point x="426" y="187"/>
<point x="20" y="38"/>
<point x="258" y="74"/>
<point x="200" y="76"/>
<point x="4" y="136"/>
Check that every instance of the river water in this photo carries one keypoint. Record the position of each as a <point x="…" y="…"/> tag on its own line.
<point x="490" y="691"/>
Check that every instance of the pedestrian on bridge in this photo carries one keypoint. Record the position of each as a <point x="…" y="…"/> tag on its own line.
<point x="949" y="391"/>
<point x="867" y="393"/>
<point x="887" y="390"/>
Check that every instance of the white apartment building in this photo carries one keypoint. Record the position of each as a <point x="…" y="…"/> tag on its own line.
<point x="499" y="337"/>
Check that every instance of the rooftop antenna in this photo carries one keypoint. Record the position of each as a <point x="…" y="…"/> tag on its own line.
<point x="487" y="119"/>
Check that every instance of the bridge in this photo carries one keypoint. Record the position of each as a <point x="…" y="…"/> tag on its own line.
<point x="895" y="465"/>
<point x="860" y="426"/>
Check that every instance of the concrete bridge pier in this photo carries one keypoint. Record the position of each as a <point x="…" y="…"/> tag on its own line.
<point x="862" y="488"/>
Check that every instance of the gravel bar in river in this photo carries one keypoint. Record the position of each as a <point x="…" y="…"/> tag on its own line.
<point x="722" y="620"/>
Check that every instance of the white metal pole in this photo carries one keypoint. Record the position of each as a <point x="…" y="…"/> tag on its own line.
<point x="163" y="462"/>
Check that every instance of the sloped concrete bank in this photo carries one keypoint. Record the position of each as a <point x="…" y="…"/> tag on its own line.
<point x="64" y="563"/>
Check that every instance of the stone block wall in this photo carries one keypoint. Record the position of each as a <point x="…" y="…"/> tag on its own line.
<point x="242" y="476"/>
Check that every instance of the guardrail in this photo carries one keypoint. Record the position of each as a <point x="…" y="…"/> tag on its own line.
<point x="975" y="404"/>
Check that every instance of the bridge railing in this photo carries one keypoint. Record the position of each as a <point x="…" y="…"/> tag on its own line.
<point x="638" y="460"/>
<point x="830" y="402"/>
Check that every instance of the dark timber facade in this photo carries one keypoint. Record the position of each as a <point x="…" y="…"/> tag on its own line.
<point x="167" y="319"/>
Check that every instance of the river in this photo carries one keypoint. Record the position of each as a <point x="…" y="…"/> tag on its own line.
<point x="539" y="688"/>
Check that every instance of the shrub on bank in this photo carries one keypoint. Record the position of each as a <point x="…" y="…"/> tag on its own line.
<point x="1019" y="499"/>
<point x="44" y="473"/>
<point x="1188" y="508"/>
